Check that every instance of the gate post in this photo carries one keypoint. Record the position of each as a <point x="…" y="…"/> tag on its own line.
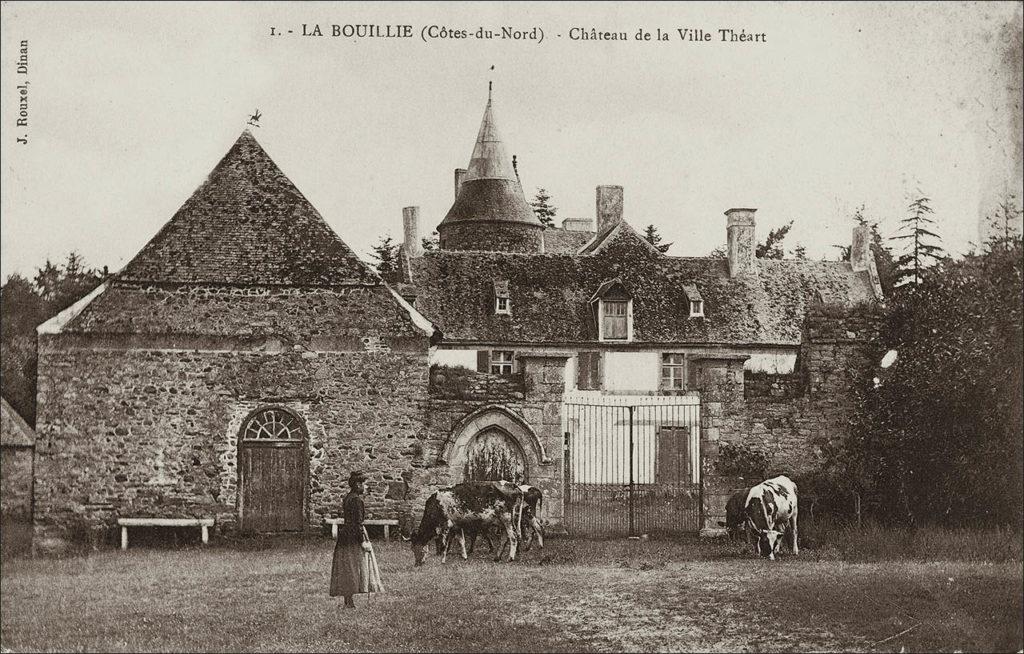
<point x="632" y="481"/>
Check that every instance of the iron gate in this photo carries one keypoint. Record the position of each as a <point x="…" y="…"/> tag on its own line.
<point x="632" y="465"/>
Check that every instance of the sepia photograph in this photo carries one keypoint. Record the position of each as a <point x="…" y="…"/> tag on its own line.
<point x="511" y="326"/>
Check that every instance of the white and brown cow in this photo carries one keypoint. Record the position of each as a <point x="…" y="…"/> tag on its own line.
<point x="771" y="511"/>
<point x="472" y="505"/>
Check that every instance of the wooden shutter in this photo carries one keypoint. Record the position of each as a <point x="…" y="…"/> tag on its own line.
<point x="588" y="372"/>
<point x="615" y="327"/>
<point x="483" y="361"/>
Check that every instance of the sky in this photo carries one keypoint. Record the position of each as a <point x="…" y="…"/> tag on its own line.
<point x="841" y="104"/>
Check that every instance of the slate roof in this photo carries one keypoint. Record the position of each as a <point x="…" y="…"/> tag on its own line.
<point x="551" y="295"/>
<point x="562" y="241"/>
<point x="14" y="431"/>
<point x="491" y="190"/>
<point x="248" y="224"/>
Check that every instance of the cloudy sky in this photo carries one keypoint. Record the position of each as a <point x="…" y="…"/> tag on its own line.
<point x="130" y="106"/>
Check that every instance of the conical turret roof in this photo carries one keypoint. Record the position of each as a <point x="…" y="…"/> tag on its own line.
<point x="248" y="224"/>
<point x="491" y="190"/>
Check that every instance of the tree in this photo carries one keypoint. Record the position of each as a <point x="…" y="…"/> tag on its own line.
<point x="800" y="252"/>
<point x="23" y="306"/>
<point x="939" y="439"/>
<point x="543" y="208"/>
<point x="385" y="256"/>
<point x="1004" y="225"/>
<point x="654" y="238"/>
<point x="431" y="243"/>
<point x="924" y="249"/>
<point x="771" y="248"/>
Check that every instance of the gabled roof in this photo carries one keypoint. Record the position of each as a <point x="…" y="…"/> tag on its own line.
<point x="552" y="295"/>
<point x="14" y="431"/>
<point x="620" y="234"/>
<point x="248" y="224"/>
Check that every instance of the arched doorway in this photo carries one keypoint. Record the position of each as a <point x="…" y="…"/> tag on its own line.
<point x="493" y="455"/>
<point x="272" y="470"/>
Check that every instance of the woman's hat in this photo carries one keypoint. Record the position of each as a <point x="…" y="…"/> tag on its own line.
<point x="356" y="477"/>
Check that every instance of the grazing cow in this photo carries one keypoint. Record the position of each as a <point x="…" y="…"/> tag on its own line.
<point x="533" y="504"/>
<point x="470" y="504"/>
<point x="735" y="514"/>
<point x="771" y="510"/>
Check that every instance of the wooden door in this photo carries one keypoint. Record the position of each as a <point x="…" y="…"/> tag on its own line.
<point x="495" y="456"/>
<point x="273" y="466"/>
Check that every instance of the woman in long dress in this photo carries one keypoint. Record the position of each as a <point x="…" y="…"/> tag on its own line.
<point x="354" y="569"/>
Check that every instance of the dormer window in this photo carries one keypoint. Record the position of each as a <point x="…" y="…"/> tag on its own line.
<point x="502" y="298"/>
<point x="695" y="300"/>
<point x="614" y="312"/>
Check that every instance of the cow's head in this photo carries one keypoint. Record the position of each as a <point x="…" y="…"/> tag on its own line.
<point x="418" y="544"/>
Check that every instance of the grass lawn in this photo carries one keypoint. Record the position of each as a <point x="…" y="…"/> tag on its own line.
<point x="613" y="595"/>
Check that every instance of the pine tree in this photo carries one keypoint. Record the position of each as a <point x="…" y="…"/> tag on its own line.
<point x="1004" y="226"/>
<point x="924" y="248"/>
<point x="772" y="246"/>
<point x="543" y="208"/>
<point x="800" y="252"/>
<point x="654" y="238"/>
<point x="385" y="256"/>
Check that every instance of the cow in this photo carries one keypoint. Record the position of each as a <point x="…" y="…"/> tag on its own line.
<point x="735" y="514"/>
<point x="771" y="511"/>
<point x="533" y="505"/>
<point x="475" y="505"/>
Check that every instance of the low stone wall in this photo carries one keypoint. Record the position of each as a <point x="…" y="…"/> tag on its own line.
<point x="15" y="483"/>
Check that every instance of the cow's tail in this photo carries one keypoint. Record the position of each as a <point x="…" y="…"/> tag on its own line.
<point x="540" y="511"/>
<point x="518" y="515"/>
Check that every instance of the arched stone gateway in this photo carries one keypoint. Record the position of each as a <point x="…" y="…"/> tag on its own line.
<point x="493" y="443"/>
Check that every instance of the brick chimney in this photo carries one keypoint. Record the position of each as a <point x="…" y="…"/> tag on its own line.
<point x="609" y="206"/>
<point x="460" y="174"/>
<point x="411" y="228"/>
<point x="742" y="241"/>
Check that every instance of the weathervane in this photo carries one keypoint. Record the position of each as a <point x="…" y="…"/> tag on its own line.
<point x="254" y="119"/>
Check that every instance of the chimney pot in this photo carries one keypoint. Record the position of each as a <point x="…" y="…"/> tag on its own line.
<point x="411" y="228"/>
<point x="609" y="206"/>
<point x="860" y="248"/>
<point x="742" y="241"/>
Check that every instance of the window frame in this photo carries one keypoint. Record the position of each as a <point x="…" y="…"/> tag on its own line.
<point x="498" y="310"/>
<point x="678" y="372"/>
<point x="696" y="308"/>
<point x="601" y="336"/>
<point x="495" y="359"/>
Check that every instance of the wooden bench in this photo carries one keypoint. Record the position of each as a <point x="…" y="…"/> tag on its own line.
<point x="387" y="524"/>
<point x="204" y="523"/>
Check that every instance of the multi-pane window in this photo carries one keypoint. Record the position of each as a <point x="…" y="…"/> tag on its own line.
<point x="273" y="425"/>
<point x="614" y="320"/>
<point x="502" y="305"/>
<point x="501" y="362"/>
<point x="696" y="308"/>
<point x="673" y="372"/>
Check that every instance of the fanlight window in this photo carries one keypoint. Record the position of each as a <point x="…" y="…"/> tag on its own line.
<point x="273" y="425"/>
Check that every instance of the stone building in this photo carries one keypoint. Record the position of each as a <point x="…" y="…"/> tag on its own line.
<point x="246" y="360"/>
<point x="764" y="354"/>
<point x="17" y="441"/>
<point x="238" y="367"/>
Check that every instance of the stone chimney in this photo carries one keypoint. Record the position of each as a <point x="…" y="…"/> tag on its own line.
<point x="460" y="174"/>
<point x="578" y="225"/>
<point x="862" y="259"/>
<point x="609" y="206"/>
<point x="860" y="248"/>
<point x="411" y="228"/>
<point x="742" y="241"/>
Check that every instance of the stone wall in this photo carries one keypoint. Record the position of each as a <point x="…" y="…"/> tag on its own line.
<point x="788" y="417"/>
<point x="492" y="236"/>
<point x="526" y="405"/>
<point x="155" y="433"/>
<point x="15" y="483"/>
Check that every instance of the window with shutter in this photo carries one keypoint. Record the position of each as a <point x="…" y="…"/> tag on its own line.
<point x="483" y="361"/>
<point x="615" y="326"/>
<point x="501" y="362"/>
